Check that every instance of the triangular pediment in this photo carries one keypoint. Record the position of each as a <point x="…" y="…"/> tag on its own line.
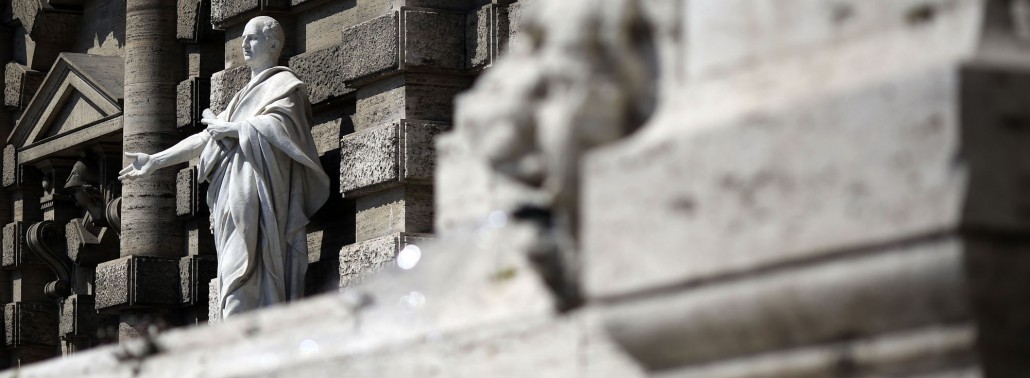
<point x="80" y="90"/>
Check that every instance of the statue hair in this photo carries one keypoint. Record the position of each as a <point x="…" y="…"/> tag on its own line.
<point x="271" y="29"/>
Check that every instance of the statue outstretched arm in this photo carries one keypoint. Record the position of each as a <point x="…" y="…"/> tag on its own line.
<point x="143" y="164"/>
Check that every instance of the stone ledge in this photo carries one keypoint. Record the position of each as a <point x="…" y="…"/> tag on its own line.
<point x="897" y="288"/>
<point x="388" y="155"/>
<point x="137" y="281"/>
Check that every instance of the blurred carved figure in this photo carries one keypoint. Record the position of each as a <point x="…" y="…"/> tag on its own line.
<point x="568" y="84"/>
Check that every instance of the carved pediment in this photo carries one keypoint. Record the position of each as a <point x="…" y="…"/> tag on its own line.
<point x="80" y="91"/>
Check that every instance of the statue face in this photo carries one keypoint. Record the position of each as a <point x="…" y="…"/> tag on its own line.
<point x="257" y="47"/>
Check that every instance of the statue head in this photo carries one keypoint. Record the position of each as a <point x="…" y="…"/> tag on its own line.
<point x="263" y="40"/>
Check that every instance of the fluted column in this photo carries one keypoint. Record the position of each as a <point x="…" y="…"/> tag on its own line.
<point x="152" y="71"/>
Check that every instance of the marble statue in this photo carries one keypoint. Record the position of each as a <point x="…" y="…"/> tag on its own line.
<point x="265" y="177"/>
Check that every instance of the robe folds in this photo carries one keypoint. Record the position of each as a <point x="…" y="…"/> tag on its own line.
<point x="264" y="187"/>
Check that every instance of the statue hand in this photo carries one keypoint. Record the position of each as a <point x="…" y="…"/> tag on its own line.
<point x="220" y="129"/>
<point x="142" y="164"/>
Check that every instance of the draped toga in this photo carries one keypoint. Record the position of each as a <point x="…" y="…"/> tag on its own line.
<point x="264" y="187"/>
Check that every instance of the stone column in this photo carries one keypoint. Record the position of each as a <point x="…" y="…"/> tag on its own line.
<point x="152" y="67"/>
<point x="151" y="235"/>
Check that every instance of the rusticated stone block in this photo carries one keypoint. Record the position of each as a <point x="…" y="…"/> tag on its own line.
<point x="478" y="42"/>
<point x="78" y="316"/>
<point x="30" y="324"/>
<point x="228" y="12"/>
<point x="407" y="208"/>
<point x="388" y="155"/>
<point x="370" y="48"/>
<point x="10" y="162"/>
<point x="368" y="158"/>
<point x="186" y="192"/>
<point x="193" y="20"/>
<point x="362" y="259"/>
<point x="192" y="97"/>
<point x="195" y="273"/>
<point x="225" y="84"/>
<point x="214" y="313"/>
<point x="20" y="84"/>
<point x="418" y="150"/>
<point x="15" y="253"/>
<point x="322" y="72"/>
<point x="434" y="39"/>
<point x="137" y="281"/>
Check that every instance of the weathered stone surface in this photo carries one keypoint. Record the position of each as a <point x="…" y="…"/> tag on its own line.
<point x="187" y="196"/>
<point x="363" y="258"/>
<point x="225" y="13"/>
<point x="886" y="171"/>
<point x="195" y="273"/>
<point x="322" y="72"/>
<point x="188" y="25"/>
<point x="434" y="39"/>
<point x="20" y="84"/>
<point x="27" y="324"/>
<point x="329" y="127"/>
<point x="319" y="23"/>
<point x="10" y="174"/>
<point x="727" y="35"/>
<point x="370" y="48"/>
<point x="192" y="97"/>
<point x="408" y="96"/>
<point x="407" y="208"/>
<point x="214" y="313"/>
<point x="225" y="84"/>
<point x="478" y="42"/>
<point x="194" y="20"/>
<point x="15" y="252"/>
<point x="199" y="240"/>
<point x="368" y="158"/>
<point x="388" y="155"/>
<point x="137" y="281"/>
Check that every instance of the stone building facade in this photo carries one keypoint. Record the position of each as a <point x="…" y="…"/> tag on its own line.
<point x="88" y="260"/>
<point x="660" y="188"/>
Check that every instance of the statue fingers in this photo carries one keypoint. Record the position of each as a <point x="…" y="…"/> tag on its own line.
<point x="127" y="169"/>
